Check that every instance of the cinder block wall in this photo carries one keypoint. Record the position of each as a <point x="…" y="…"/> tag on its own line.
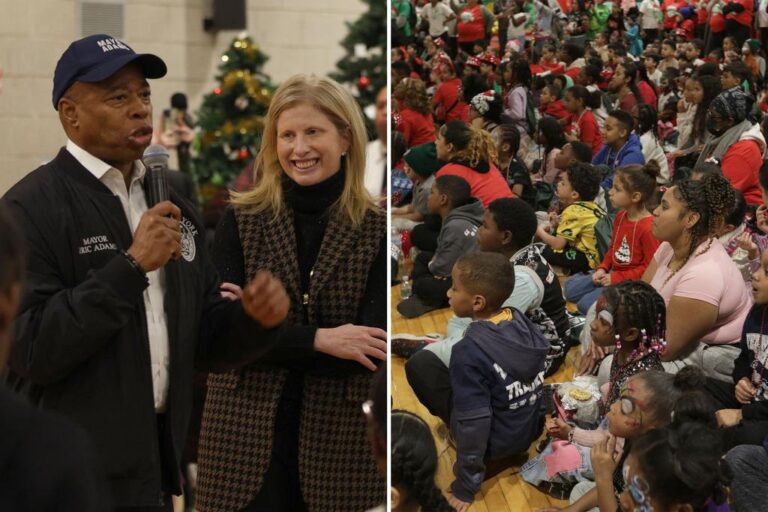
<point x="298" y="36"/>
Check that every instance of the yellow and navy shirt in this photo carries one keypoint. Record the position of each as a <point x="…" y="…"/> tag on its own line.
<point x="577" y="226"/>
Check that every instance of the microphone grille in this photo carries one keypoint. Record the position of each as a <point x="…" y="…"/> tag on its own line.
<point x="156" y="154"/>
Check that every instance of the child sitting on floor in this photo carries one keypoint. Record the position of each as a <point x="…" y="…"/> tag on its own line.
<point x="622" y="146"/>
<point x="744" y="402"/>
<point x="574" y="245"/>
<point x="676" y="468"/>
<point x="414" y="464"/>
<point x="550" y="103"/>
<point x="632" y="243"/>
<point x="647" y="401"/>
<point x="496" y="371"/>
<point x="431" y="274"/>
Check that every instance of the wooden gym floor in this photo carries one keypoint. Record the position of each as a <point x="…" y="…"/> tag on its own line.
<point x="505" y="492"/>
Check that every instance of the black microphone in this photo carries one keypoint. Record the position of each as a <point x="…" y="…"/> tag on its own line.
<point x="156" y="161"/>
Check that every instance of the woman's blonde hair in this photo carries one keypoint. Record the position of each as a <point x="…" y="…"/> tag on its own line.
<point x="343" y="111"/>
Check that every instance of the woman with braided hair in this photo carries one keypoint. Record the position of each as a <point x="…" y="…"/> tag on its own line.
<point x="694" y="274"/>
<point x="413" y="466"/>
<point x="471" y="155"/>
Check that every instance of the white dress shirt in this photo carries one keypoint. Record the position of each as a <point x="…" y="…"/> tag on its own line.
<point x="375" y="167"/>
<point x="134" y="205"/>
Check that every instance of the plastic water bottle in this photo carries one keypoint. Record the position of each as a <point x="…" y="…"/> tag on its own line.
<point x="405" y="288"/>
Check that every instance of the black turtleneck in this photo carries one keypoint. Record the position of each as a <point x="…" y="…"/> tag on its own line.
<point x="310" y="217"/>
<point x="310" y="207"/>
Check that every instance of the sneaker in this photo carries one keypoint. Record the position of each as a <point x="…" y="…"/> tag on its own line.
<point x="405" y="345"/>
<point x="413" y="307"/>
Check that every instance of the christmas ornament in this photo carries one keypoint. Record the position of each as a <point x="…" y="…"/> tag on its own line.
<point x="217" y="91"/>
<point x="242" y="102"/>
<point x="242" y="154"/>
<point x="363" y="82"/>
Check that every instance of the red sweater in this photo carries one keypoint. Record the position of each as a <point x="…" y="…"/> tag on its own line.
<point x="555" y="109"/>
<point x="472" y="30"/>
<point x="447" y="96"/>
<point x="648" y="94"/>
<point x="417" y="128"/>
<point x="740" y="165"/>
<point x="589" y="130"/>
<point x="486" y="186"/>
<point x="631" y="250"/>
<point x="744" y="17"/>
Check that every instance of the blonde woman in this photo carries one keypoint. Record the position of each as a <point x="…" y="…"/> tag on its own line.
<point x="287" y="433"/>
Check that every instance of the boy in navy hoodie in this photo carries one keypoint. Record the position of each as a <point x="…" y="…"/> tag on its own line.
<point x="496" y="370"/>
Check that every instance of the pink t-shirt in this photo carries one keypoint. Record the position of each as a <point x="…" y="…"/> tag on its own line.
<point x="713" y="278"/>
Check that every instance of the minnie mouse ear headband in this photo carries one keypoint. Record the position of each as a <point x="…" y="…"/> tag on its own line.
<point x="489" y="58"/>
<point x="473" y="61"/>
<point x="482" y="102"/>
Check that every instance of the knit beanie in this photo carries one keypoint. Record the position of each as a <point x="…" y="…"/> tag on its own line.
<point x="423" y="159"/>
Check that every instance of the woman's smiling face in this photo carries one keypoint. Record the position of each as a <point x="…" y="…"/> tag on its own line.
<point x="309" y="145"/>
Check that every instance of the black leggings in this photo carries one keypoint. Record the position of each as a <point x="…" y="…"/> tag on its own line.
<point x="569" y="258"/>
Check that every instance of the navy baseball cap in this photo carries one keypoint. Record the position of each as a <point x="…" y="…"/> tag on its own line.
<point x="96" y="58"/>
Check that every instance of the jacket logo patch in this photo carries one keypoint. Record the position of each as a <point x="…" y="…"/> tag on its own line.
<point x="188" y="234"/>
<point x="91" y="244"/>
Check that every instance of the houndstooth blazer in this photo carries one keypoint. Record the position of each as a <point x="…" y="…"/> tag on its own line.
<point x="336" y="469"/>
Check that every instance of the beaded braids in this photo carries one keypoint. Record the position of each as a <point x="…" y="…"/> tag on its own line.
<point x="414" y="462"/>
<point x="712" y="198"/>
<point x="637" y="304"/>
<point x="471" y="144"/>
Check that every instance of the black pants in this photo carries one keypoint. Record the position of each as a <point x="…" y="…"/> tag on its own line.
<point x="430" y="289"/>
<point x="431" y="383"/>
<point x="746" y="432"/>
<point x="281" y="490"/>
<point x="738" y="31"/>
<point x="424" y="235"/>
<point x="167" y="467"/>
<point x="650" y="35"/>
<point x="569" y="259"/>
<point x="469" y="48"/>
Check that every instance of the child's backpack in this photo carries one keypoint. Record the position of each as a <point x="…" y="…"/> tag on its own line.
<point x="530" y="112"/>
<point x="604" y="232"/>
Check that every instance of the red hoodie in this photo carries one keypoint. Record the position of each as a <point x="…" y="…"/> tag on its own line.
<point x="555" y="109"/>
<point x="631" y="250"/>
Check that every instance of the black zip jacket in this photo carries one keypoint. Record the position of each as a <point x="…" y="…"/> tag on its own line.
<point x="81" y="338"/>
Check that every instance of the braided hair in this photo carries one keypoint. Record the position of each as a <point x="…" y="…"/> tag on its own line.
<point x="637" y="304"/>
<point x="682" y="464"/>
<point x="414" y="462"/>
<point x="712" y="197"/>
<point x="473" y="145"/>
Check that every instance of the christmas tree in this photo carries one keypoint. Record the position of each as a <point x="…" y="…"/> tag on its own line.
<point x="231" y="117"/>
<point x="363" y="69"/>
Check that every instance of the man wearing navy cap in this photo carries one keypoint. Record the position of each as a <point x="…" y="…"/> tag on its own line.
<point x="122" y="300"/>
